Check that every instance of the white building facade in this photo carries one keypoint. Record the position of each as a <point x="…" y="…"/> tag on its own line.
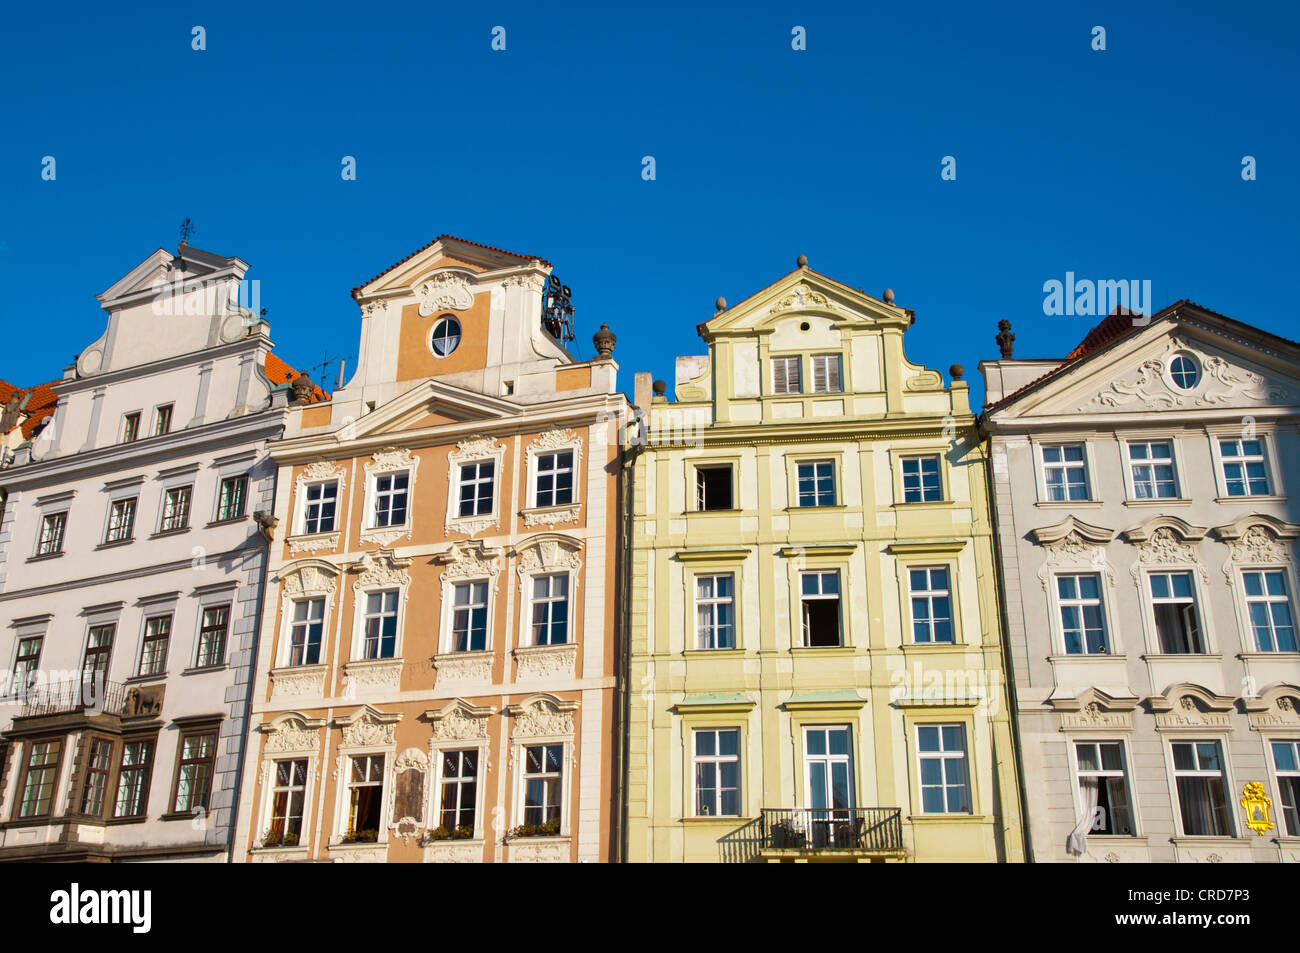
<point x="131" y="566"/>
<point x="1147" y="540"/>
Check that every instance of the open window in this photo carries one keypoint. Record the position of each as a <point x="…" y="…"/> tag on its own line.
<point x="713" y="490"/>
<point x="1174" y="605"/>
<point x="821" y="609"/>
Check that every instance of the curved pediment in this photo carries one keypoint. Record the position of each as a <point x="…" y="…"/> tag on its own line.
<point x="1173" y="524"/>
<point x="1058" y="532"/>
<point x="1238" y="528"/>
<point x="1190" y="698"/>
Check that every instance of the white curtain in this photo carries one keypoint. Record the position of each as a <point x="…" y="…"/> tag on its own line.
<point x="1089" y="789"/>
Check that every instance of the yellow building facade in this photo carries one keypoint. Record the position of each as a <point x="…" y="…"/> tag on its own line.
<point x="813" y="663"/>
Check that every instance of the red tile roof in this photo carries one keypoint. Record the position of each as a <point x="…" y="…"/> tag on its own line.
<point x="278" y="372"/>
<point x="463" y="241"/>
<point x="40" y="405"/>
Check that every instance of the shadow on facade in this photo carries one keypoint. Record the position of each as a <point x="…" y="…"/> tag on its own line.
<point x="742" y="845"/>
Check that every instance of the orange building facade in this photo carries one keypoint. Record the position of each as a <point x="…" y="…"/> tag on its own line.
<point x="435" y="677"/>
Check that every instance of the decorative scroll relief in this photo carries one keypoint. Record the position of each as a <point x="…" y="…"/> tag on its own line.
<point x="343" y="854"/>
<point x="1151" y="385"/>
<point x="1283" y="713"/>
<point x="313" y="544"/>
<point x="1093" y="715"/>
<point x="298" y="682"/>
<point x="802" y="297"/>
<point x="463" y="667"/>
<point x="1074" y="552"/>
<point x="557" y="439"/>
<point x="924" y="380"/>
<point x="1190" y="714"/>
<point x="453" y="852"/>
<point x="313" y="579"/>
<point x="546" y="661"/>
<point x="443" y="292"/>
<point x="458" y="723"/>
<point x="391" y="459"/>
<point x="382" y="570"/>
<point x="543" y="717"/>
<point x="321" y="471"/>
<point x="406" y="803"/>
<point x="527" y="282"/>
<point x="549" y="555"/>
<point x="1164" y="548"/>
<point x="550" y="516"/>
<point x="374" y="675"/>
<point x="553" y="852"/>
<point x="470" y="560"/>
<point x="292" y="735"/>
<point x="1259" y="545"/>
<point x="365" y="730"/>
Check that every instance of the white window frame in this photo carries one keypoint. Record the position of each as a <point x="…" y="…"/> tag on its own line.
<point x="290" y="623"/>
<point x="1044" y="494"/>
<point x="133" y="500"/>
<point x="372" y="507"/>
<point x="1073" y="741"/>
<point x="944" y="755"/>
<point x="439" y="779"/>
<point x="1265" y="432"/>
<point x="1130" y="480"/>
<point x="311" y="754"/>
<point x="817" y="481"/>
<point x="534" y="483"/>
<point x="303" y="528"/>
<point x="45" y="516"/>
<point x="929" y="595"/>
<point x="838" y="358"/>
<point x="343" y="796"/>
<point x="1109" y="631"/>
<point x="1199" y="602"/>
<point x="478" y="450"/>
<point x="901" y="461"/>
<point x="449" y="613"/>
<point x="1244" y="460"/>
<point x="248" y="496"/>
<point x="717" y="760"/>
<point x="1249" y="643"/>
<point x="821" y="596"/>
<point x="149" y="611"/>
<point x="1226" y="774"/>
<point x="1291" y="738"/>
<point x="714" y="600"/>
<point x="551" y="442"/>
<point x="828" y="759"/>
<point x="359" y="633"/>
<point x="389" y="462"/>
<point x="163" y="504"/>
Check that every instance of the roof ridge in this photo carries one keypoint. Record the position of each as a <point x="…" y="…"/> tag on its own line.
<point x="463" y="241"/>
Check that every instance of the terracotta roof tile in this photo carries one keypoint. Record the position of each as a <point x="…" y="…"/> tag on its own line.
<point x="279" y="372"/>
<point x="40" y="405"/>
<point x="463" y="241"/>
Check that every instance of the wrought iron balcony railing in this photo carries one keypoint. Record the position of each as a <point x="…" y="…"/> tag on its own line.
<point x="69" y="697"/>
<point x="839" y="828"/>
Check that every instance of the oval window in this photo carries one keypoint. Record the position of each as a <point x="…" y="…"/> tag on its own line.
<point x="1184" y="372"/>
<point x="446" y="336"/>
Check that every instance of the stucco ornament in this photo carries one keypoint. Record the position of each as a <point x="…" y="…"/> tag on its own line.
<point x="292" y="734"/>
<point x="381" y="569"/>
<point x="458" y="722"/>
<point x="803" y="297"/>
<point x="1074" y="552"/>
<point x="442" y="292"/>
<point x="368" y="730"/>
<point x="543" y="717"/>
<point x="1148" y="389"/>
<point x="1258" y="545"/>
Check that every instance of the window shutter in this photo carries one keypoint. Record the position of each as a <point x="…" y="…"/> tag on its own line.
<point x="819" y="374"/>
<point x="833" y="373"/>
<point x="780" y="383"/>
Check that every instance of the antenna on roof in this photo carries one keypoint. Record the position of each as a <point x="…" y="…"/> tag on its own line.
<point x="323" y="366"/>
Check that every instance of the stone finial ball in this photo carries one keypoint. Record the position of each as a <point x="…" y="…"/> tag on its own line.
<point x="721" y="304"/>
<point x="661" y="387"/>
<point x="801" y="261"/>
<point x="889" y="296"/>
<point x="956" y="371"/>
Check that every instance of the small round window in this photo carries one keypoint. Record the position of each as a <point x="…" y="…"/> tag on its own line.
<point x="446" y="336"/>
<point x="1184" y="372"/>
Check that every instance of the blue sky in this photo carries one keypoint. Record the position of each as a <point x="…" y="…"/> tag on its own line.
<point x="1116" y="164"/>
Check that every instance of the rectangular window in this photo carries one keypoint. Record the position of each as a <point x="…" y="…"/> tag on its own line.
<point x="381" y="624"/>
<point x="785" y="376"/>
<point x="459" y="789"/>
<point x="817" y="483"/>
<point x="176" y="509"/>
<point x="469" y="617"/>
<point x="1082" y="619"/>
<point x="1269" y="606"/>
<point x="1174" y="604"/>
<point x="543" y="774"/>
<point x="1151" y="465"/>
<point x="713" y="488"/>
<point x="99" y="649"/>
<point x="288" y="795"/>
<point x="921" y="483"/>
<point x="233" y="497"/>
<point x="715" y="612"/>
<point x="826" y="374"/>
<point x="1065" y="472"/>
<point x="153" y="653"/>
<point x="212" y="636"/>
<point x="26" y="661"/>
<point x="365" y="797"/>
<point x="121" y="520"/>
<point x="98" y="765"/>
<point x="828" y="767"/>
<point x="1245" y="469"/>
<point x="321" y="505"/>
<point x="931" y="604"/>
<point x="194" y="774"/>
<point x="554" y="479"/>
<point x="1286" y="762"/>
<point x="133" y="779"/>
<point x="717" y="773"/>
<point x="391" y="498"/>
<point x="1202" y="789"/>
<point x="1103" y="785"/>
<point x="551" y="609"/>
<point x="945" y="782"/>
<point x="820" y="603"/>
<point x="162" y="421"/>
<point x="131" y="427"/>
<point x="41" y="776"/>
<point x="51" y="538"/>
<point x="476" y="483"/>
<point x="306" y="631"/>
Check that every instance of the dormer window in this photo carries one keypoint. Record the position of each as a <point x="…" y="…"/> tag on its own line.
<point x="446" y="336"/>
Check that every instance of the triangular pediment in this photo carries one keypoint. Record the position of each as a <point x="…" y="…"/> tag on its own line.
<point x="1148" y="372"/>
<point x="161" y="268"/>
<point x="432" y="404"/>
<point x="804" y="292"/>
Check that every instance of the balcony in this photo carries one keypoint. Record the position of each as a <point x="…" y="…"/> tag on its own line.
<point x="869" y="832"/>
<point x="73" y="697"/>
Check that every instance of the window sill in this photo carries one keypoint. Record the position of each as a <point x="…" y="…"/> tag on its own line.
<point x="135" y="819"/>
<point x="936" y="647"/>
<point x="923" y="504"/>
<point x="1190" y="840"/>
<point x="142" y="679"/>
<point x="44" y="556"/>
<point x="718" y="512"/>
<point x="1263" y="656"/>
<point x="228" y="521"/>
<point x="1066" y="504"/>
<point x="714" y="653"/>
<point x="551" y="515"/>
<point x="831" y="507"/>
<point x="182" y="815"/>
<point x="313" y="542"/>
<point x="949" y="819"/>
<point x="204" y="669"/>
<point x="1159" y="501"/>
<point x="114" y="544"/>
<point x="1137" y="839"/>
<point x="1265" y="498"/>
<point x="284" y="852"/>
<point x="1095" y="658"/>
<point x="803" y="651"/>
<point x="163" y="533"/>
<point x="730" y="820"/>
<point x="1180" y="656"/>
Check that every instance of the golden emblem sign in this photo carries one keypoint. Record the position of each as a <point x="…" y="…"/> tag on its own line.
<point x="1257" y="805"/>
